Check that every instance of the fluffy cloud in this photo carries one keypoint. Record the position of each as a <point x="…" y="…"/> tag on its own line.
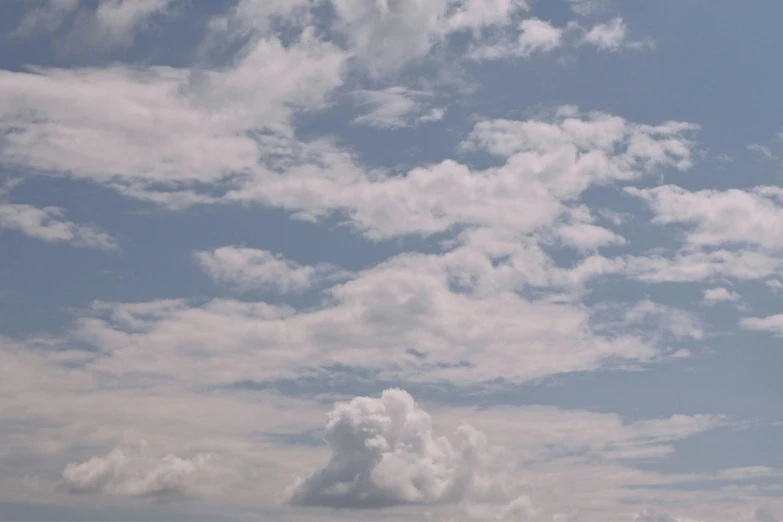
<point x="384" y="453"/>
<point x="692" y="265"/>
<point x="133" y="473"/>
<point x="610" y="36"/>
<point x="731" y="217"/>
<point x="48" y="224"/>
<point x="535" y="36"/>
<point x="387" y="34"/>
<point x="772" y="324"/>
<point x="395" y="107"/>
<point x="249" y="268"/>
<point x="720" y="295"/>
<point x="162" y="133"/>
<point x="478" y="14"/>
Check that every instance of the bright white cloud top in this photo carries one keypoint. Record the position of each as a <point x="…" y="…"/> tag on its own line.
<point x="399" y="259"/>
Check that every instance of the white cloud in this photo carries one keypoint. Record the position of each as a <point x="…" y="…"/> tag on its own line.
<point x="115" y="23"/>
<point x="45" y="18"/>
<point x="48" y="224"/>
<point x="386" y="35"/>
<point x="249" y="268"/>
<point x="396" y="107"/>
<point x="691" y="265"/>
<point x="716" y="218"/>
<point x="535" y="36"/>
<point x="585" y="236"/>
<point x="720" y="295"/>
<point x="162" y="134"/>
<point x="478" y="14"/>
<point x="776" y="285"/>
<point x="653" y="320"/>
<point x="130" y="472"/>
<point x="548" y="460"/>
<point x="588" y="7"/>
<point x="610" y="36"/>
<point x="763" y="151"/>
<point x="111" y="24"/>
<point x="384" y="453"/>
<point x="772" y="324"/>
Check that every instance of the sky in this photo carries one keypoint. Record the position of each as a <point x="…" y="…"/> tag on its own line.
<point x="391" y="260"/>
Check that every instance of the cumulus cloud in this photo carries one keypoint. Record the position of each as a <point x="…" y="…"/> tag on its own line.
<point x="720" y="295"/>
<point x="384" y="453"/>
<point x="478" y="14"/>
<point x="161" y="133"/>
<point x="132" y="472"/>
<point x="535" y="36"/>
<point x="250" y="268"/>
<point x="715" y="218"/>
<point x="386" y="35"/>
<point x="395" y="107"/>
<point x="49" y="224"/>
<point x="586" y="236"/>
<point x="772" y="324"/>
<point x="610" y="36"/>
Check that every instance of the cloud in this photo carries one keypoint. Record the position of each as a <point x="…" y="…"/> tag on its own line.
<point x="111" y="24"/>
<point x="585" y="236"/>
<point x="548" y="460"/>
<point x="535" y="36"/>
<point x="395" y="107"/>
<point x="387" y="35"/>
<point x="249" y="269"/>
<point x="610" y="36"/>
<point x="677" y="322"/>
<point x="772" y="324"/>
<point x="45" y="18"/>
<point x="720" y="295"/>
<point x="129" y="472"/>
<point x="690" y="265"/>
<point x="384" y="453"/>
<point x="164" y="134"/>
<point x="48" y="224"/>
<point x="478" y="14"/>
<point x="716" y="218"/>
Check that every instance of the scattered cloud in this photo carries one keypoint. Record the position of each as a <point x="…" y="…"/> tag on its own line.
<point x="49" y="224"/>
<point x="250" y="269"/>
<point x="111" y="24"/>
<point x="772" y="324"/>
<point x="535" y="36"/>
<point x="130" y="472"/>
<point x="396" y="107"/>
<point x="720" y="295"/>
<point x="731" y="217"/>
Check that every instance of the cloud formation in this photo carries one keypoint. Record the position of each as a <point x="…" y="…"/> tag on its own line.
<point x="132" y="472"/>
<point x="49" y="224"/>
<point x="384" y="453"/>
<point x="250" y="268"/>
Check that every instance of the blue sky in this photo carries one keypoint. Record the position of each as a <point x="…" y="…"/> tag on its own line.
<point x="390" y="259"/>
